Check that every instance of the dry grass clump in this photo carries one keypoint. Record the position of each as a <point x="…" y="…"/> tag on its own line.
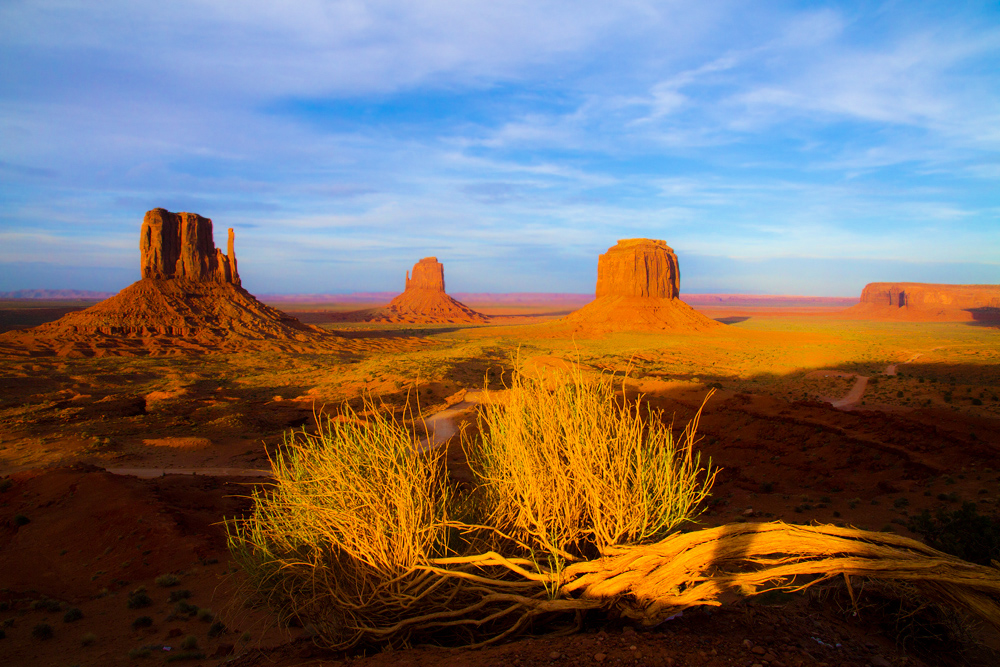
<point x="340" y="538"/>
<point x="568" y="468"/>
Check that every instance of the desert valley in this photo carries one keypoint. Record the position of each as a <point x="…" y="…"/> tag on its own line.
<point x="134" y="428"/>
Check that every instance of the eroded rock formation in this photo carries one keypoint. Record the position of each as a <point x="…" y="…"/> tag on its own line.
<point x="188" y="300"/>
<point x="638" y="287"/>
<point x="182" y="245"/>
<point x="927" y="301"/>
<point x="428" y="274"/>
<point x="639" y="267"/>
<point x="423" y="300"/>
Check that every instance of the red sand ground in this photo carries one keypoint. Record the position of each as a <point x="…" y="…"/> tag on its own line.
<point x="91" y="538"/>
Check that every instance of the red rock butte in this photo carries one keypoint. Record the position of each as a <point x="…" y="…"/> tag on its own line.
<point x="928" y="302"/>
<point x="188" y="300"/>
<point x="638" y="283"/>
<point x="182" y="245"/>
<point x="424" y="301"/>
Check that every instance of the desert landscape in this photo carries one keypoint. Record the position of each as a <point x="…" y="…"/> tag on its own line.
<point x="423" y="333"/>
<point x="135" y="428"/>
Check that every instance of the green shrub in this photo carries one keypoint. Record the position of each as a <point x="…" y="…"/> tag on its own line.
<point x="190" y="642"/>
<point x="88" y="639"/>
<point x="42" y="631"/>
<point x="21" y="520"/>
<point x="138" y="599"/>
<point x="182" y="594"/>
<point x="167" y="580"/>
<point x="964" y="533"/>
<point x="71" y="615"/>
<point x="142" y="622"/>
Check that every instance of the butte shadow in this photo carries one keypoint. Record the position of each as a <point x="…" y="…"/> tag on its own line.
<point x="189" y="300"/>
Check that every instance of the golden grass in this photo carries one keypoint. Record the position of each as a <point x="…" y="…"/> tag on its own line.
<point x="567" y="467"/>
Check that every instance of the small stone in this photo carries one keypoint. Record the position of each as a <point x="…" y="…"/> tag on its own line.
<point x="748" y="643"/>
<point x="599" y="657"/>
<point x="770" y="656"/>
<point x="879" y="661"/>
<point x="555" y="655"/>
<point x="759" y="650"/>
<point x="632" y="647"/>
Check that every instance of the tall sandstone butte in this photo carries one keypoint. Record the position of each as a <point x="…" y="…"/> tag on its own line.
<point x="424" y="301"/>
<point x="188" y="300"/>
<point x="639" y="267"/>
<point x="428" y="274"/>
<point x="638" y="288"/>
<point x="182" y="245"/>
<point x="928" y="302"/>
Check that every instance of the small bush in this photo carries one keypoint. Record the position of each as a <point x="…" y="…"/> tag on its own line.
<point x="964" y="533"/>
<point x="140" y="652"/>
<point x="47" y="604"/>
<point x="138" y="599"/>
<point x="5" y="484"/>
<point x="21" y="520"/>
<point x="216" y="629"/>
<point x="183" y="607"/>
<point x="190" y="642"/>
<point x="182" y="594"/>
<point x="142" y="622"/>
<point x="42" y="631"/>
<point x="205" y="615"/>
<point x="88" y="639"/>
<point x="71" y="615"/>
<point x="185" y="655"/>
<point x="167" y="580"/>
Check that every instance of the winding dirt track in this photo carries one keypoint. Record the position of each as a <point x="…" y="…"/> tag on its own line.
<point x="857" y="392"/>
<point x="440" y="426"/>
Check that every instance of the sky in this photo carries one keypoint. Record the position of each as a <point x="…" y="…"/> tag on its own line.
<point x="779" y="147"/>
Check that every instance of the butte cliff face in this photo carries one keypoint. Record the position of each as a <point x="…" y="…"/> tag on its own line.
<point x="639" y="267"/>
<point x="638" y="284"/>
<point x="928" y="302"/>
<point x="424" y="300"/>
<point x="188" y="300"/>
<point x="182" y="245"/>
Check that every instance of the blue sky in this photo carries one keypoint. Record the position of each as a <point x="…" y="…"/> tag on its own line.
<point x="779" y="147"/>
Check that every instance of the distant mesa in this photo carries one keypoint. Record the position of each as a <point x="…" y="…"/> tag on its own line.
<point x="188" y="300"/>
<point x="638" y="287"/>
<point x="927" y="302"/>
<point x="423" y="301"/>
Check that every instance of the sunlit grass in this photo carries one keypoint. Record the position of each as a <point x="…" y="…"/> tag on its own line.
<point x="570" y="468"/>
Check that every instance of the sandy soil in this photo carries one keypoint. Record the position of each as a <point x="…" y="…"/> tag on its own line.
<point x="927" y="436"/>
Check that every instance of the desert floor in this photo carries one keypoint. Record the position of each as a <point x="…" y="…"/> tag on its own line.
<point x="921" y="430"/>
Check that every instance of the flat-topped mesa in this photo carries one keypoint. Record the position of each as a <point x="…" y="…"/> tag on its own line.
<point x="181" y="245"/>
<point x="928" y="302"/>
<point x="638" y="287"/>
<point x="639" y="267"/>
<point x="428" y="274"/>
<point x="903" y="295"/>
